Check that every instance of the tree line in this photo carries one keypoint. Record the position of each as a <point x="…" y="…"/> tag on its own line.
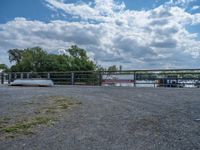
<point x="37" y="59"/>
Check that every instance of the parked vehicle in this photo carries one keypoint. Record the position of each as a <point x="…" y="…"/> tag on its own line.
<point x="197" y="84"/>
<point x="180" y="85"/>
<point x="170" y="82"/>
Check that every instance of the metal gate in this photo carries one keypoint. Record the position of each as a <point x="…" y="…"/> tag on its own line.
<point x="133" y="78"/>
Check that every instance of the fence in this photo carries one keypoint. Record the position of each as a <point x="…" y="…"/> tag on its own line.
<point x="133" y="78"/>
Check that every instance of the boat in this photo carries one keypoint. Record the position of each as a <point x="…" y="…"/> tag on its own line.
<point x="33" y="82"/>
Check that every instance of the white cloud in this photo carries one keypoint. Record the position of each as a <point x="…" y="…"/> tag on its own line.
<point x="195" y="7"/>
<point x="112" y="34"/>
<point x="182" y="3"/>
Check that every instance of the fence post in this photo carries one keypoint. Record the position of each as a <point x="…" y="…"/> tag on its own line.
<point x="48" y="75"/>
<point x="100" y="78"/>
<point x="28" y="75"/>
<point x="21" y="75"/>
<point x="15" y="76"/>
<point x="72" y="78"/>
<point x="134" y="76"/>
<point x="2" y="78"/>
<point x="9" y="78"/>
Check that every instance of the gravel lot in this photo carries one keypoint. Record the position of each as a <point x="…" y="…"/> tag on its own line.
<point x="109" y="118"/>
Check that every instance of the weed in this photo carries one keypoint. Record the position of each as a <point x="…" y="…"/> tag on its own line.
<point x="45" y="114"/>
<point x="24" y="126"/>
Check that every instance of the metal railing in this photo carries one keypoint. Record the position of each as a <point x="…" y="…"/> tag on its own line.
<point x="133" y="78"/>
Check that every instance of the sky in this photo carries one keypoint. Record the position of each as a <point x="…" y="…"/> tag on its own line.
<point x="136" y="34"/>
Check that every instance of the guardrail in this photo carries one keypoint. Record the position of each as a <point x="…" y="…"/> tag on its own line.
<point x="134" y="78"/>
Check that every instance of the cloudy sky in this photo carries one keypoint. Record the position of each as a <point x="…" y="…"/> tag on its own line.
<point x="137" y="34"/>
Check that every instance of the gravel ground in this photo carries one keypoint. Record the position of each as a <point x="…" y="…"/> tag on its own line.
<point x="110" y="118"/>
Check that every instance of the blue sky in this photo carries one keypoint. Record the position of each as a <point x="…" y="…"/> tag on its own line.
<point x="36" y="9"/>
<point x="30" y="9"/>
<point x="136" y="34"/>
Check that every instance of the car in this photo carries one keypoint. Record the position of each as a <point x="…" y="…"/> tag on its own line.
<point x="180" y="84"/>
<point x="170" y="82"/>
<point x="197" y="84"/>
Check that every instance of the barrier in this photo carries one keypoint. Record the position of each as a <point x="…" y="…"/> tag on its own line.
<point x="135" y="78"/>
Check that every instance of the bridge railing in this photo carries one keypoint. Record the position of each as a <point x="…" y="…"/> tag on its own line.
<point x="132" y="78"/>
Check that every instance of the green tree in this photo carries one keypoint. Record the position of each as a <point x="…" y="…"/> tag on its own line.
<point x="15" y="55"/>
<point x="3" y="67"/>
<point x="31" y="59"/>
<point x="37" y="60"/>
<point x="78" y="60"/>
<point x="113" y="68"/>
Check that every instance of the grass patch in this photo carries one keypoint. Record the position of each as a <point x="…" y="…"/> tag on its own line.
<point x="51" y="110"/>
<point x="65" y="104"/>
<point x="25" y="126"/>
<point x="60" y="103"/>
<point x="46" y="112"/>
<point x="4" y="121"/>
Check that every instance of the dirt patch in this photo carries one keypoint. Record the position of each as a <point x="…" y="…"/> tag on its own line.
<point x="145" y="126"/>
